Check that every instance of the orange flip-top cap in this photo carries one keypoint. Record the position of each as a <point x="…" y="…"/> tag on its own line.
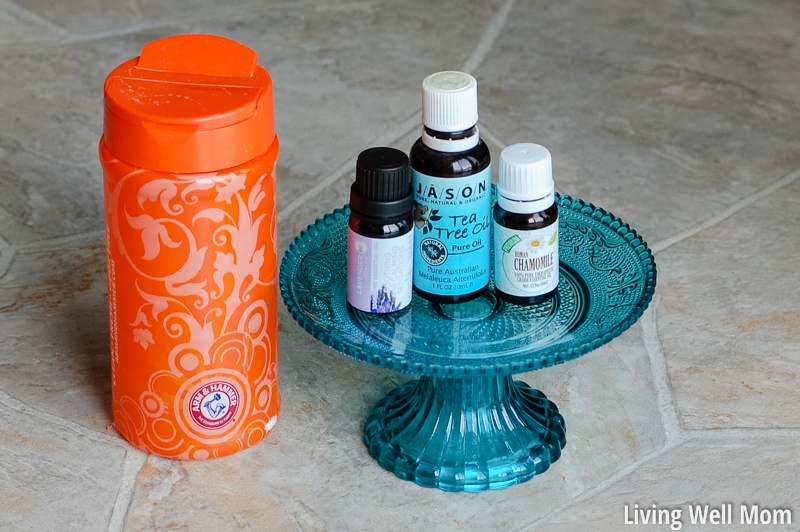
<point x="189" y="104"/>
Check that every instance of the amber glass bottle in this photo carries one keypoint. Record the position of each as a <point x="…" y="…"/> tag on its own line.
<point x="451" y="171"/>
<point x="379" y="238"/>
<point x="525" y="226"/>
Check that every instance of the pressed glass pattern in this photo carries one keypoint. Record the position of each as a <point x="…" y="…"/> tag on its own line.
<point x="466" y="425"/>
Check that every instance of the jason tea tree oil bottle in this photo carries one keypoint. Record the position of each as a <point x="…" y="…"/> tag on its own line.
<point x="525" y="226"/>
<point x="451" y="172"/>
<point x="379" y="237"/>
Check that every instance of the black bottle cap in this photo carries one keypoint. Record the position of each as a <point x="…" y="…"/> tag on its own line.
<point x="382" y="189"/>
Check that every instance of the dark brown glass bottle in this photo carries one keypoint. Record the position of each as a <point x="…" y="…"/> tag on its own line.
<point x="379" y="239"/>
<point x="526" y="222"/>
<point x="451" y="171"/>
<point x="525" y="226"/>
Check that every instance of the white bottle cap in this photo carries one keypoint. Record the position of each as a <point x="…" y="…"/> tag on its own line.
<point x="525" y="179"/>
<point x="449" y="101"/>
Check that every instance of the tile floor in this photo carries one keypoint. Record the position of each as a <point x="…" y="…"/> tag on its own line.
<point x="680" y="116"/>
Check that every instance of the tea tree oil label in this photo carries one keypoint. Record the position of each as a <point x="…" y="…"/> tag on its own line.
<point x="526" y="262"/>
<point x="452" y="246"/>
<point x="379" y="272"/>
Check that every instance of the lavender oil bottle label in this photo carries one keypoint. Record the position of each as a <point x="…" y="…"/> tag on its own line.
<point x="452" y="233"/>
<point x="526" y="262"/>
<point x="379" y="272"/>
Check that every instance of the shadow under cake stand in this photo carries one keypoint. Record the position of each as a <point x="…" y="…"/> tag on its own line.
<point x="465" y="424"/>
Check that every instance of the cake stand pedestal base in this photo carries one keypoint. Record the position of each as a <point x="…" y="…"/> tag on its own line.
<point x="465" y="434"/>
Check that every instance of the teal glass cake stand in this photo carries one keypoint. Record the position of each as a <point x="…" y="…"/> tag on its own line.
<point x="465" y="424"/>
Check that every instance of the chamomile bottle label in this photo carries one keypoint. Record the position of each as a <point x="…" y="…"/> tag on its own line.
<point x="526" y="262"/>
<point x="452" y="238"/>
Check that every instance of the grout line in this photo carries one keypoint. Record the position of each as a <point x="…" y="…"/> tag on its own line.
<point x="58" y="241"/>
<point x="67" y="37"/>
<point x="134" y="462"/>
<point x="412" y="121"/>
<point x="487" y="39"/>
<point x="594" y="490"/>
<point x="94" y="435"/>
<point x="7" y="252"/>
<point x="392" y="136"/>
<point x="121" y="32"/>
<point x="674" y="432"/>
<point x="55" y="161"/>
<point x="730" y="211"/>
<point x="31" y="16"/>
<point x="134" y="459"/>
<point x="134" y="6"/>
<point x="732" y="435"/>
<point x="670" y="418"/>
<point x="746" y="432"/>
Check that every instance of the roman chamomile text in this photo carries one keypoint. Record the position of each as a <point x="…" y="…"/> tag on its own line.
<point x="705" y="514"/>
<point x="523" y="263"/>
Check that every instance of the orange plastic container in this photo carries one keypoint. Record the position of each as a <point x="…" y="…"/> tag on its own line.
<point x="188" y="154"/>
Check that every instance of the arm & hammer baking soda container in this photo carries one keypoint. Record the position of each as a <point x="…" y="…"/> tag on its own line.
<point x="188" y="154"/>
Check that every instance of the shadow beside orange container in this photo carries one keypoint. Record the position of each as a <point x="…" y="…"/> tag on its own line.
<point x="188" y="154"/>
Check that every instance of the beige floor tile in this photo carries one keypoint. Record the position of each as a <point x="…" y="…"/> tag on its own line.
<point x="729" y="318"/>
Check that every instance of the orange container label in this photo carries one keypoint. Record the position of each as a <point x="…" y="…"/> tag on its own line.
<point x="192" y="279"/>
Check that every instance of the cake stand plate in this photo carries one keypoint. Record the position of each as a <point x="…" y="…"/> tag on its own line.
<point x="465" y="424"/>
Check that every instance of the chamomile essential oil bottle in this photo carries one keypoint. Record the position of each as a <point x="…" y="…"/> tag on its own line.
<point x="525" y="226"/>
<point x="451" y="172"/>
<point x="379" y="237"/>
